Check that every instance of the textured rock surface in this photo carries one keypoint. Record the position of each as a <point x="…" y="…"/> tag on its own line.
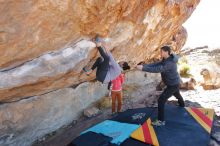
<point x="91" y="112"/>
<point x="45" y="44"/>
<point x="204" y="66"/>
<point x="24" y="121"/>
<point x="211" y="79"/>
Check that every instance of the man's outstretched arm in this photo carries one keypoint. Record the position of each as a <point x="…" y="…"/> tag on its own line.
<point x="156" y="68"/>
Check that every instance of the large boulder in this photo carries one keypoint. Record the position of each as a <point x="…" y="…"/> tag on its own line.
<point x="45" y="44"/>
<point x="211" y="79"/>
<point x="24" y="121"/>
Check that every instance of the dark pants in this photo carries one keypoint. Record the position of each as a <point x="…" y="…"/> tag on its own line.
<point x="167" y="93"/>
<point x="102" y="65"/>
<point x="101" y="62"/>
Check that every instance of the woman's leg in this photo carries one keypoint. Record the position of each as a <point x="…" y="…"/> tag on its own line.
<point x="119" y="97"/>
<point x="103" y="67"/>
<point x="103" y="53"/>
<point x="113" y="101"/>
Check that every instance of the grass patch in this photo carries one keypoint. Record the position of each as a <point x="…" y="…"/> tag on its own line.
<point x="184" y="68"/>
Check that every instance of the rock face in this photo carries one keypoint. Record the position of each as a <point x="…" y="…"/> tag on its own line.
<point x="25" y="121"/>
<point x="45" y="44"/>
<point x="206" y="71"/>
<point x="211" y="79"/>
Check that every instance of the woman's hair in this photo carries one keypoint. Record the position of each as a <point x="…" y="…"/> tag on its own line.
<point x="125" y="66"/>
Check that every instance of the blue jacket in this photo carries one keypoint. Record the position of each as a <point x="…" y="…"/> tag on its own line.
<point x="167" y="68"/>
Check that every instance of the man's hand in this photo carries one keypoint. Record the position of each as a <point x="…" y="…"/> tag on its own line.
<point x="139" y="67"/>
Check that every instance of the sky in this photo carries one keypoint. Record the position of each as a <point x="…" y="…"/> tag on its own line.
<point x="203" y="26"/>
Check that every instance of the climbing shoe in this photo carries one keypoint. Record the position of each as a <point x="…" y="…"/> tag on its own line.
<point x="158" y="123"/>
<point x="87" y="71"/>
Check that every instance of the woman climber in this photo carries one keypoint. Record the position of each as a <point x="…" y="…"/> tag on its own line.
<point x="107" y="68"/>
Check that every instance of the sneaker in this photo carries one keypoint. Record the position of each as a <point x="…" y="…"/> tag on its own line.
<point x="158" y="123"/>
<point x="113" y="114"/>
<point x="87" y="71"/>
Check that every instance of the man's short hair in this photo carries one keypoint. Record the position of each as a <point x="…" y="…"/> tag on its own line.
<point x="166" y="49"/>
